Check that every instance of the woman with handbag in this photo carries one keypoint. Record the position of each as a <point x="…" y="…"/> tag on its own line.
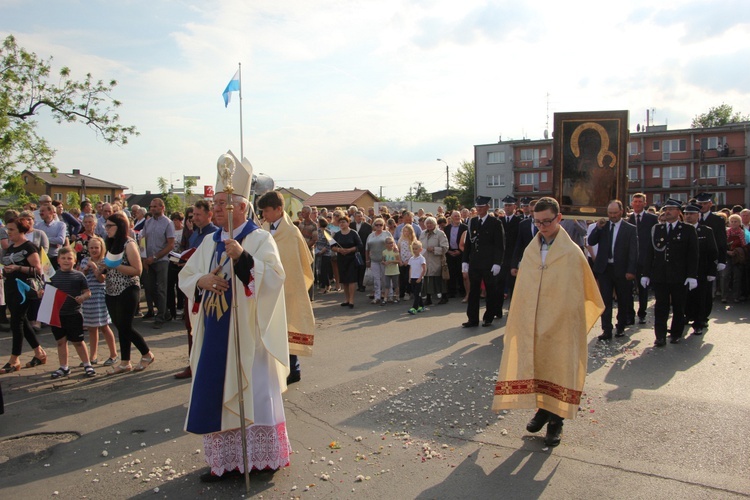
<point x="21" y="261"/>
<point x="349" y="244"/>
<point x="122" y="288"/>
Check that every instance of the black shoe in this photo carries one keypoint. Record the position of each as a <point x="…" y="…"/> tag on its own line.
<point x="674" y="340"/>
<point x="487" y="323"/>
<point x="293" y="377"/>
<point x="428" y="302"/>
<point x="443" y="300"/>
<point x="469" y="324"/>
<point x="642" y="320"/>
<point x="698" y="330"/>
<point x="344" y="304"/>
<point x="620" y="332"/>
<point x="148" y="315"/>
<point x="537" y="421"/>
<point x="660" y="342"/>
<point x="554" y="432"/>
<point x="630" y="322"/>
<point x="361" y="289"/>
<point x="604" y="336"/>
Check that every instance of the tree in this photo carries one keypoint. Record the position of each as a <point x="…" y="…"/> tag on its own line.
<point x="451" y="203"/>
<point x="14" y="190"/>
<point x="72" y="199"/>
<point x="172" y="202"/>
<point x="27" y="88"/>
<point x="717" y="116"/>
<point x="420" y="194"/>
<point x="463" y="178"/>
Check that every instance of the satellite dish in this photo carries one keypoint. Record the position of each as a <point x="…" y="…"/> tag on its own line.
<point x="638" y="128"/>
<point x="262" y="184"/>
<point x="546" y="134"/>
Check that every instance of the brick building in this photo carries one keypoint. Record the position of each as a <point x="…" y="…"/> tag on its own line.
<point x="661" y="163"/>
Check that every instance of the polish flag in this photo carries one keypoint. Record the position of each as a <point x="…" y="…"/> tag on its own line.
<point x="49" y="309"/>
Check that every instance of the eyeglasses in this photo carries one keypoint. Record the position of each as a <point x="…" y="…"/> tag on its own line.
<point x="108" y="225"/>
<point x="543" y="223"/>
<point x="378" y="225"/>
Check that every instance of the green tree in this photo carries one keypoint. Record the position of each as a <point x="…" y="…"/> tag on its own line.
<point x="14" y="190"/>
<point x="451" y="202"/>
<point x="27" y="88"/>
<point x="463" y="179"/>
<point x="172" y="202"/>
<point x="420" y="194"/>
<point x="72" y="199"/>
<point x="717" y="116"/>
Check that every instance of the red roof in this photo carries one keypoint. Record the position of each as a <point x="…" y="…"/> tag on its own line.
<point x="337" y="198"/>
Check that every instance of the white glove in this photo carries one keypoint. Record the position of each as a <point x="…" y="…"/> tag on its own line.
<point x="710" y="278"/>
<point x="720" y="267"/>
<point x="464" y="267"/>
<point x="692" y="283"/>
<point x="645" y="281"/>
<point x="495" y="270"/>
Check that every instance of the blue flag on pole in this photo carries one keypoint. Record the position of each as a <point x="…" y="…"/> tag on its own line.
<point x="232" y="86"/>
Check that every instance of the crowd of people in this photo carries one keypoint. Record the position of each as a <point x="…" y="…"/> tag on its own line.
<point x="103" y="255"/>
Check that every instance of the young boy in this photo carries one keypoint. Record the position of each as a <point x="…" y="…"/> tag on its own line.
<point x="73" y="283"/>
<point x="417" y="268"/>
<point x="391" y="259"/>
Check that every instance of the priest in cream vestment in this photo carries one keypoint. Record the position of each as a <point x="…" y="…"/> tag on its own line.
<point x="257" y="289"/>
<point x="555" y="303"/>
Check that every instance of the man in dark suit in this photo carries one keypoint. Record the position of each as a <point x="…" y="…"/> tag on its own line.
<point x="526" y="207"/>
<point x="453" y="232"/>
<point x="718" y="226"/>
<point x="510" y="228"/>
<point x="363" y="229"/>
<point x="699" y="301"/>
<point x="672" y="269"/>
<point x="526" y="232"/>
<point x="482" y="259"/>
<point x="643" y="222"/>
<point x="615" y="267"/>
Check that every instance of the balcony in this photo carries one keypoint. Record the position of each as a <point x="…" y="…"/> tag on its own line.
<point x="707" y="155"/>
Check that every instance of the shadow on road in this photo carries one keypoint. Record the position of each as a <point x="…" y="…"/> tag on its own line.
<point x="516" y="477"/>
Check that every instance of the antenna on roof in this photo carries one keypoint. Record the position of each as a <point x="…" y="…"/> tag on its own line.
<point x="546" y="127"/>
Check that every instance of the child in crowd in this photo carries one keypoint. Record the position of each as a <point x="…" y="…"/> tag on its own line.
<point x="95" y="314"/>
<point x="391" y="260"/>
<point x="417" y="268"/>
<point x="73" y="284"/>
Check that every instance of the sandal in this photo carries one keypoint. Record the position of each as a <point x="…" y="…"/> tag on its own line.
<point x="36" y="362"/>
<point x="8" y="368"/>
<point x="93" y="362"/>
<point x="89" y="371"/>
<point x="61" y="372"/>
<point x="145" y="363"/>
<point x="120" y="369"/>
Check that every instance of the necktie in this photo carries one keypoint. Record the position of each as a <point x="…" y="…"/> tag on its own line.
<point x="611" y="240"/>
<point x="669" y="228"/>
<point x="533" y="230"/>
<point x="638" y="220"/>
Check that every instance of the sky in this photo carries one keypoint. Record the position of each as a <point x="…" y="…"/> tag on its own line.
<point x="343" y="94"/>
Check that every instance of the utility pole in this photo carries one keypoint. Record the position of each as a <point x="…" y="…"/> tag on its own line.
<point x="447" y="175"/>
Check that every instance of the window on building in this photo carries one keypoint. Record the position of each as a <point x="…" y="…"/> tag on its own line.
<point x="543" y="177"/>
<point x="675" y="146"/>
<point x="656" y="145"/>
<point x="712" y="142"/>
<point x="495" y="203"/>
<point x="680" y="196"/>
<point x="543" y="153"/>
<point x="633" y="148"/>
<point x="721" y="198"/>
<point x="633" y="174"/>
<point x="657" y="198"/>
<point x="675" y="172"/>
<point x="527" y="154"/>
<point x="57" y="196"/>
<point x="656" y="173"/>
<point x="493" y="180"/>
<point x="713" y="171"/>
<point x="107" y="198"/>
<point x="496" y="157"/>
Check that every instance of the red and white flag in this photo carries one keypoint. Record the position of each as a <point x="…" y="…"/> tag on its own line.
<point x="49" y="309"/>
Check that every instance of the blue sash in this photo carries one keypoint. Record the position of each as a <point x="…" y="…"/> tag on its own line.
<point x="207" y="396"/>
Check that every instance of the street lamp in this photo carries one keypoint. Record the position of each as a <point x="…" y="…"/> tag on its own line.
<point x="447" y="171"/>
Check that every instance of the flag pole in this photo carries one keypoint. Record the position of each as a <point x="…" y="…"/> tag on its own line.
<point x="242" y="145"/>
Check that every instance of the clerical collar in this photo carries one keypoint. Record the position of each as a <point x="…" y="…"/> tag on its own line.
<point x="237" y="231"/>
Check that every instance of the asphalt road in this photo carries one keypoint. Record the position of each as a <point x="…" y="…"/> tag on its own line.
<point x="397" y="406"/>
